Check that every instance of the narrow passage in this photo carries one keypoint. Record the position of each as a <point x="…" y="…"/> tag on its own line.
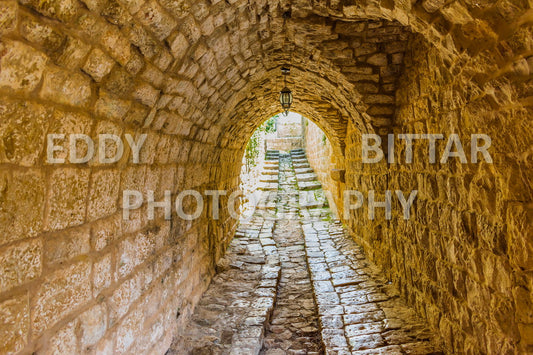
<point x="293" y="282"/>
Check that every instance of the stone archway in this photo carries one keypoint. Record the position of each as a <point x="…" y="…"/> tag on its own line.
<point x="196" y="77"/>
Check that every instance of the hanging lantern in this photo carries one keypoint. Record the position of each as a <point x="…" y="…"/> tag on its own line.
<point x="285" y="98"/>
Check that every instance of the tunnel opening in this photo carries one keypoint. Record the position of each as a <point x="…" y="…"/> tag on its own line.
<point x="196" y="78"/>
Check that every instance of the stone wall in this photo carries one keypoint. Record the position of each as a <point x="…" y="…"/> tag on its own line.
<point x="198" y="78"/>
<point x="322" y="159"/>
<point x="289" y="126"/>
<point x="75" y="277"/>
<point x="464" y="258"/>
<point x="285" y="144"/>
<point x="289" y="132"/>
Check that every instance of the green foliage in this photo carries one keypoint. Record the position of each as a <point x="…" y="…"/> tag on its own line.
<point x="324" y="139"/>
<point x="252" y="148"/>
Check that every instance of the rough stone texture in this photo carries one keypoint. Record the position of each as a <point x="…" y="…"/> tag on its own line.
<point x="233" y="313"/>
<point x="322" y="160"/>
<point x="294" y="325"/>
<point x="465" y="264"/>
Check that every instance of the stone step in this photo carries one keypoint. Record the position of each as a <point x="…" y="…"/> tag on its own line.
<point x="309" y="185"/>
<point x="301" y="165"/>
<point x="270" y="172"/>
<point x="295" y="151"/>
<point x="271" y="167"/>
<point x="312" y="199"/>
<point x="300" y="161"/>
<point x="267" y="186"/>
<point x="268" y="178"/>
<point x="303" y="170"/>
<point x="306" y="177"/>
<point x="266" y="206"/>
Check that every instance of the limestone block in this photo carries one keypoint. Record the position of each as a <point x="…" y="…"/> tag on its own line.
<point x="102" y="274"/>
<point x="98" y="64"/>
<point x="14" y="324"/>
<point x="64" y="246"/>
<point x="146" y="94"/>
<point x="111" y="107"/>
<point x="73" y="53"/>
<point x="20" y="263"/>
<point x="456" y="13"/>
<point x="67" y="193"/>
<point x="60" y="294"/>
<point x="21" y="66"/>
<point x="64" y="341"/>
<point x="117" y="45"/>
<point x="157" y="19"/>
<point x="433" y="5"/>
<point x="379" y="59"/>
<point x="21" y="205"/>
<point x="8" y="16"/>
<point x="65" y="87"/>
<point x="128" y="330"/>
<point x="122" y="298"/>
<point x="45" y="36"/>
<point x="22" y="132"/>
<point x="63" y="10"/>
<point x="105" y="231"/>
<point x="103" y="194"/>
<point x="93" y="325"/>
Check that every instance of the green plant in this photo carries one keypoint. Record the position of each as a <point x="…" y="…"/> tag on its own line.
<point x="252" y="148"/>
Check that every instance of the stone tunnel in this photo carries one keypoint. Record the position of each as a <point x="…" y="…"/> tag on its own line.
<point x="196" y="78"/>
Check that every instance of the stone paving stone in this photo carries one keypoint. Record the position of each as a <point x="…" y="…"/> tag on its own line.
<point x="309" y="185"/>
<point x="301" y="165"/>
<point x="306" y="177"/>
<point x="268" y="178"/>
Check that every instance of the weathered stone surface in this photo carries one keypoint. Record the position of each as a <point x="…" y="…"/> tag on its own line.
<point x="66" y="88"/>
<point x="8" y="16"/>
<point x="22" y="136"/>
<point x="93" y="324"/>
<point x="22" y="200"/>
<point x="60" y="247"/>
<point x="14" y="324"/>
<point x="64" y="341"/>
<point x="98" y="64"/>
<point x="104" y="194"/>
<point x="67" y="210"/>
<point x="22" y="66"/>
<point x="60" y="293"/>
<point x="199" y="77"/>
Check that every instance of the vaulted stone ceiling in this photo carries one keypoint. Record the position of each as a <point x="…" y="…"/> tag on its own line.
<point x="198" y="77"/>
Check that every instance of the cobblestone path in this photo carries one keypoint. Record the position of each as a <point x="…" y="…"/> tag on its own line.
<point x="294" y="326"/>
<point x="292" y="282"/>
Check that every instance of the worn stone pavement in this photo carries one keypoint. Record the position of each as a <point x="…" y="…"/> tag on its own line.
<point x="294" y="326"/>
<point x="292" y="282"/>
